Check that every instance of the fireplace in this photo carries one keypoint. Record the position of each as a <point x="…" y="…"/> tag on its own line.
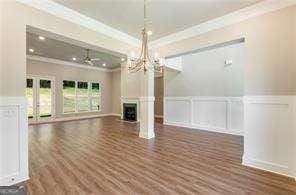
<point x="129" y="111"/>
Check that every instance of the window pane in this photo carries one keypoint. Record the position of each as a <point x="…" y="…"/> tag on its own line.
<point x="82" y="93"/>
<point x="29" y="95"/>
<point x="95" y="103"/>
<point x="82" y="89"/>
<point x="45" y="98"/>
<point x="95" y="89"/>
<point x="69" y="96"/>
<point x="83" y="104"/>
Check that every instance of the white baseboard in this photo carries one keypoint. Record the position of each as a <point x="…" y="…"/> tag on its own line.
<point x="205" y="128"/>
<point x="115" y="114"/>
<point x="7" y="180"/>
<point x="74" y="118"/>
<point x="268" y="166"/>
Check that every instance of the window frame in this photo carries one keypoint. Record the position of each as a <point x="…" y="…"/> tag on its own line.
<point x="89" y="95"/>
<point x="75" y="109"/>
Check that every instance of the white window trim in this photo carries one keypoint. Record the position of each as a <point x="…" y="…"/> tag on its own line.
<point x="89" y="97"/>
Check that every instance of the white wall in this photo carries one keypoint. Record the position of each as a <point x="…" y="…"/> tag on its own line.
<point x="270" y="68"/>
<point x="205" y="73"/>
<point x="14" y="18"/>
<point x="219" y="114"/>
<point x="270" y="135"/>
<point x="116" y="92"/>
<point x="61" y="72"/>
<point x="207" y="94"/>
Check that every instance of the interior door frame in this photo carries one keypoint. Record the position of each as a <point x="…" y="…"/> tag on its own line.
<point x="36" y="96"/>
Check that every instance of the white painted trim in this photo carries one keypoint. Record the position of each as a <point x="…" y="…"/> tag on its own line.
<point x="226" y="20"/>
<point x="206" y="128"/>
<point x="61" y="119"/>
<point x="147" y="99"/>
<point x="73" y="16"/>
<point x="115" y="114"/>
<point x="22" y="173"/>
<point x="265" y="160"/>
<point x="190" y="124"/>
<point x="73" y="64"/>
<point x="267" y="166"/>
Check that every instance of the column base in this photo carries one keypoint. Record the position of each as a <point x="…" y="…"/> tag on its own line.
<point x="147" y="135"/>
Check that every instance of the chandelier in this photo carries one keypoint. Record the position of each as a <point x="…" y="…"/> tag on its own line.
<point x="145" y="62"/>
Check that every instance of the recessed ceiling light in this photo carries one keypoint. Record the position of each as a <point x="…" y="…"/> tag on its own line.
<point x="41" y="38"/>
<point x="104" y="64"/>
<point x="149" y="32"/>
<point x="74" y="59"/>
<point x="122" y="59"/>
<point x="31" y="50"/>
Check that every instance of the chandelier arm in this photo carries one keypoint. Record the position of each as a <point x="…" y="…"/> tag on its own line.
<point x="136" y="69"/>
<point x="135" y="65"/>
<point x="145" y="61"/>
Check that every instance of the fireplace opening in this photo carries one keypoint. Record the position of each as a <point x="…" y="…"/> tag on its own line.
<point x="130" y="112"/>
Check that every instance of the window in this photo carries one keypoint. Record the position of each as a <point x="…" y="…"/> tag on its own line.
<point x="95" y="96"/>
<point x="69" y="95"/>
<point x="29" y="94"/>
<point x="81" y="96"/>
<point x="45" y="101"/>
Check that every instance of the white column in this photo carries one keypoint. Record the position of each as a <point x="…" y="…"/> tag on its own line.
<point x="147" y="105"/>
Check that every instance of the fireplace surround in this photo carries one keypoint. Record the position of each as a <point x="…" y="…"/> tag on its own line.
<point x="130" y="112"/>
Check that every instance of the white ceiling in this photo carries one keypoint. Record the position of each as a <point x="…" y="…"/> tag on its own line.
<point x="165" y="16"/>
<point x="56" y="49"/>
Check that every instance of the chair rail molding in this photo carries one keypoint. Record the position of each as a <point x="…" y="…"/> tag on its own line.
<point x="219" y="114"/>
<point x="13" y="140"/>
<point x="270" y="133"/>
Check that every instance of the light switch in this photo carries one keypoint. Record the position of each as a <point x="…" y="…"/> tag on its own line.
<point x="228" y="62"/>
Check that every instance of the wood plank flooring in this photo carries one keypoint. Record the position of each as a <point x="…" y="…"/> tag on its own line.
<point x="106" y="156"/>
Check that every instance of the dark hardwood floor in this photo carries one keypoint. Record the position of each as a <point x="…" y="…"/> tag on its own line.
<point x="106" y="156"/>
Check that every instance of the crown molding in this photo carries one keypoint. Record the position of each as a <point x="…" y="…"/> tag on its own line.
<point x="66" y="63"/>
<point x="232" y="18"/>
<point x="73" y="16"/>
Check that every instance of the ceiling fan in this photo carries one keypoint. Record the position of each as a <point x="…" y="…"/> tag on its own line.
<point x="88" y="60"/>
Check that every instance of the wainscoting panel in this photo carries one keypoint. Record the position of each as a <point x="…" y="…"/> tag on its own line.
<point x="178" y="111"/>
<point x="221" y="114"/>
<point x="13" y="140"/>
<point x="270" y="134"/>
<point x="236" y="115"/>
<point x="209" y="113"/>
